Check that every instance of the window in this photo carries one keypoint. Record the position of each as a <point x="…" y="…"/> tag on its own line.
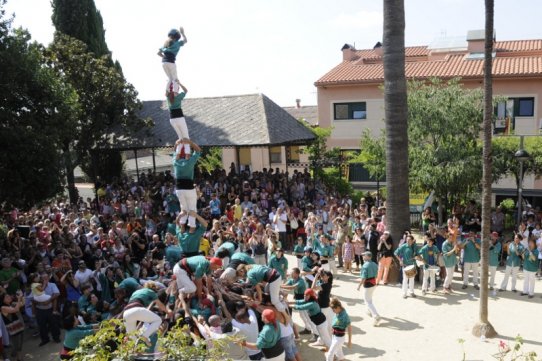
<point x="293" y="153"/>
<point x="275" y="155"/>
<point x="525" y="107"/>
<point x="343" y="111"/>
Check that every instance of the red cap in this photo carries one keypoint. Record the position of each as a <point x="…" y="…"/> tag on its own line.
<point x="216" y="261"/>
<point x="310" y="292"/>
<point x="269" y="315"/>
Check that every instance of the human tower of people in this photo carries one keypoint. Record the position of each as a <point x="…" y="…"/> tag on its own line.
<point x="222" y="271"/>
<point x="254" y="284"/>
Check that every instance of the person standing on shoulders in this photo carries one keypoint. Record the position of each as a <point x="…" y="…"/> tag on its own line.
<point x="368" y="274"/>
<point x="183" y="166"/>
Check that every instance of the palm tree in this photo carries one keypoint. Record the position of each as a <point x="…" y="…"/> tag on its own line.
<point x="483" y="328"/>
<point x="395" y="103"/>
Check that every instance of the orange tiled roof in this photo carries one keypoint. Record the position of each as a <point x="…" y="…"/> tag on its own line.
<point x="514" y="58"/>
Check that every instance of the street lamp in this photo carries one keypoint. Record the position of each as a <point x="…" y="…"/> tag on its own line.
<point x="521" y="156"/>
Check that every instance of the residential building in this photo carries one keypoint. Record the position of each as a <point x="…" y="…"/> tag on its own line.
<point x="350" y="96"/>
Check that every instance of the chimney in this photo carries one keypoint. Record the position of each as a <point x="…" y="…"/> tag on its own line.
<point x="476" y="40"/>
<point x="298" y="103"/>
<point x="378" y="49"/>
<point x="349" y="52"/>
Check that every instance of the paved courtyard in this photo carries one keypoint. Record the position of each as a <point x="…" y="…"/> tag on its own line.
<point x="424" y="328"/>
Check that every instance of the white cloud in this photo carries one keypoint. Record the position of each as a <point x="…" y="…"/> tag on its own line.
<point x="359" y="20"/>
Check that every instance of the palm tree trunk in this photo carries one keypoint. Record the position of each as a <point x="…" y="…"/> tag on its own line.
<point x="395" y="103"/>
<point x="483" y="328"/>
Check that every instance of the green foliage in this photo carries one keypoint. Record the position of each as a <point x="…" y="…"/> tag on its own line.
<point x="504" y="162"/>
<point x="36" y="106"/>
<point x="107" y="101"/>
<point x="211" y="159"/>
<point x="104" y="166"/>
<point x="372" y="154"/>
<point x="97" y="347"/>
<point x="80" y="19"/>
<point x="331" y="177"/>
<point x="507" y="205"/>
<point x="318" y="155"/>
<point x="444" y="126"/>
<point x="514" y="354"/>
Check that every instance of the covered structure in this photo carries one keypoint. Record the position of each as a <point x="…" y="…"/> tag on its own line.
<point x="252" y="130"/>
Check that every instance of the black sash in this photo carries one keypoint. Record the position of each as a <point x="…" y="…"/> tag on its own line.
<point x="176" y="113"/>
<point x="185" y="184"/>
<point x="273" y="351"/>
<point x="318" y="319"/>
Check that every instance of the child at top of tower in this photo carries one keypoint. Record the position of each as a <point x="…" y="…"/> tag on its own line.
<point x="168" y="53"/>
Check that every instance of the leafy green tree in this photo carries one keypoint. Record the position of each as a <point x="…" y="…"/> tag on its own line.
<point x="36" y="106"/>
<point x="504" y="162"/>
<point x="372" y="156"/>
<point x="210" y="160"/>
<point x="445" y="123"/>
<point x="108" y="105"/>
<point x="319" y="155"/>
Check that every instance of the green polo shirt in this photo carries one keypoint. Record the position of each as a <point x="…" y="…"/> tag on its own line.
<point x="341" y="320"/>
<point x="513" y="260"/>
<point x="177" y="101"/>
<point x="146" y="295"/>
<point x="269" y="336"/>
<point x="184" y="169"/>
<point x="199" y="265"/>
<point x="306" y="264"/>
<point x="449" y="260"/>
<point x="300" y="285"/>
<point x="279" y="264"/>
<point x="76" y="334"/>
<point x="406" y="253"/>
<point x="528" y="264"/>
<point x="173" y="254"/>
<point x="242" y="256"/>
<point x="299" y="250"/>
<point x="230" y="247"/>
<point x="311" y="307"/>
<point x="189" y="242"/>
<point x="369" y="270"/>
<point x="471" y="254"/>
<point x="494" y="254"/>
<point x="257" y="274"/>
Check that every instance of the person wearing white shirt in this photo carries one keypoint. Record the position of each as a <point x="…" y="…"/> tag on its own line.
<point x="83" y="274"/>
<point x="246" y="322"/>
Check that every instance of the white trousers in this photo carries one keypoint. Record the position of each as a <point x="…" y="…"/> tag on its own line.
<point x="274" y="293"/>
<point x="336" y="348"/>
<point x="449" y="277"/>
<point x="408" y="284"/>
<point x="368" y="298"/>
<point x="492" y="273"/>
<point x="179" y="125"/>
<point x="171" y="72"/>
<point x="151" y="321"/>
<point x="428" y="280"/>
<point x="309" y="325"/>
<point x="323" y="332"/>
<point x="528" y="282"/>
<point x="507" y="272"/>
<point x="184" y="281"/>
<point x="333" y="265"/>
<point x="328" y="312"/>
<point x="188" y="199"/>
<point x="468" y="266"/>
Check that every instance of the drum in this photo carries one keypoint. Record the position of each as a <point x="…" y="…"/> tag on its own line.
<point x="420" y="263"/>
<point x="410" y="271"/>
<point x="433" y="269"/>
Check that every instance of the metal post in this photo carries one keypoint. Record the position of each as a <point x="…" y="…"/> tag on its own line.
<point x="153" y="161"/>
<point x="137" y="167"/>
<point x="520" y="190"/>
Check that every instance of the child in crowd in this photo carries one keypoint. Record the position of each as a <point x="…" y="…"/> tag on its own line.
<point x="348" y="253"/>
<point x="37" y="289"/>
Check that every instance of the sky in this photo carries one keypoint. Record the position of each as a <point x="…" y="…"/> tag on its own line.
<point x="275" y="47"/>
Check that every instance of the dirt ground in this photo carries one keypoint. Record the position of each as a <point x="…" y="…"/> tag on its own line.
<point x="423" y="328"/>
